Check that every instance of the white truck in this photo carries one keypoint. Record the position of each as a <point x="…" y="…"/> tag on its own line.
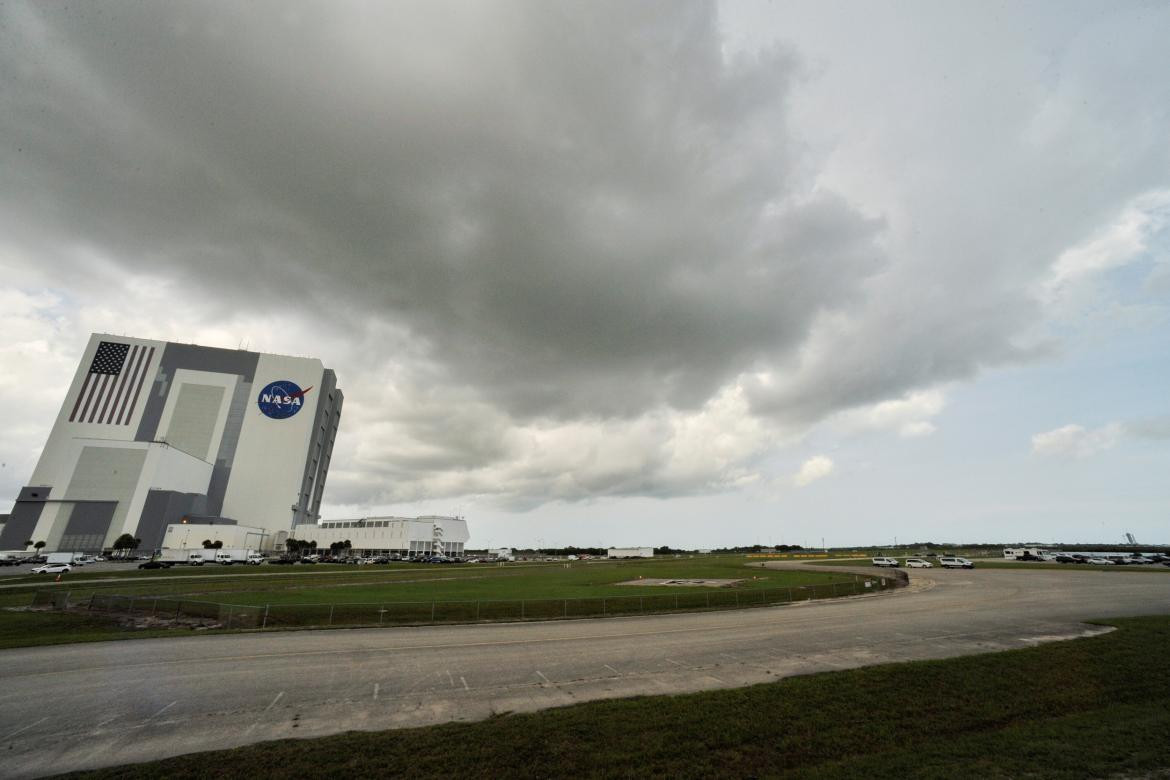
<point x="176" y="556"/>
<point x="73" y="559"/>
<point x="228" y="556"/>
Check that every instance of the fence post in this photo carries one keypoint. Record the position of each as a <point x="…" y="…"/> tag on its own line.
<point x="265" y="623"/>
<point x="477" y="610"/>
<point x="178" y="609"/>
<point x="603" y="606"/>
<point x="566" y="607"/>
<point x="130" y="610"/>
<point x="154" y="607"/>
<point x="708" y="598"/>
<point x="229" y="620"/>
<point x="522" y="609"/>
<point x="432" y="611"/>
<point x="330" y="614"/>
<point x="641" y="603"/>
<point x="676" y="601"/>
<point x="737" y="598"/>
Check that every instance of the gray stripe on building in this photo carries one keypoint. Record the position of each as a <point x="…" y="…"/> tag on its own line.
<point x="320" y="450"/>
<point x="193" y="358"/>
<point x="22" y="521"/>
<point x="162" y="508"/>
<point x="88" y="524"/>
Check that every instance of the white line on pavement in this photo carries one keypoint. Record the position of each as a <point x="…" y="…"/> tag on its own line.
<point x="39" y="722"/>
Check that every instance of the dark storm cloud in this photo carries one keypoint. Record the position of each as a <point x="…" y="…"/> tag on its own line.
<point x="560" y="250"/>
<point x="582" y="210"/>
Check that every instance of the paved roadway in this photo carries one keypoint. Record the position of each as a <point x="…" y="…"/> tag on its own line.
<point x="99" y="704"/>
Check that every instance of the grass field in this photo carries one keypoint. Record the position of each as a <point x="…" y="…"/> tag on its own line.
<point x="342" y="585"/>
<point x="1084" y="708"/>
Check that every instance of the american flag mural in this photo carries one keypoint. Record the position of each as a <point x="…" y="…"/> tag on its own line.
<point x="113" y="384"/>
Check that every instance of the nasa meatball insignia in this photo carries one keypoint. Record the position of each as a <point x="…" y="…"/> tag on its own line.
<point x="281" y="399"/>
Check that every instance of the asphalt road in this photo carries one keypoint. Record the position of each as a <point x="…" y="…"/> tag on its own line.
<point x="91" y="705"/>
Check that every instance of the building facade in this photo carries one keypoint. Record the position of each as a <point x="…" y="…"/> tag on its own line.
<point x="151" y="433"/>
<point x="406" y="536"/>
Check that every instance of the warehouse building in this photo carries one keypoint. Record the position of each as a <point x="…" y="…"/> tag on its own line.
<point x="630" y="552"/>
<point x="405" y="536"/>
<point x="155" y="433"/>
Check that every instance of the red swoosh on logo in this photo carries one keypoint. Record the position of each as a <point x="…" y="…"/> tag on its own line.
<point x="302" y="393"/>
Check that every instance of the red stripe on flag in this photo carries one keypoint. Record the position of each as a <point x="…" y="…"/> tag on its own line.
<point x="89" y="398"/>
<point x="138" y="388"/>
<point x="80" y="395"/>
<point x="115" y="412"/>
<point x="109" y="397"/>
<point x="100" y="395"/>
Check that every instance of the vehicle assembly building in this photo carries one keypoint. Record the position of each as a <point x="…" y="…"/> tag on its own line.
<point x="155" y="433"/>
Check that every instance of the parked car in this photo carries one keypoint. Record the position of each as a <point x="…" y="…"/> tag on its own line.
<point x="282" y="561"/>
<point x="1100" y="561"/>
<point x="1067" y="559"/>
<point x="53" y="568"/>
<point x="881" y="560"/>
<point x="155" y="565"/>
<point x="918" y="563"/>
<point x="955" y="562"/>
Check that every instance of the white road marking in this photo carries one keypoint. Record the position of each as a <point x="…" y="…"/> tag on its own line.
<point x="272" y="703"/>
<point x="465" y="687"/>
<point x="615" y="671"/>
<point x="375" y="691"/>
<point x="676" y="663"/>
<point x="450" y="679"/>
<point x="164" y="709"/>
<point x="42" y="720"/>
<point x="107" y="720"/>
<point x="541" y="674"/>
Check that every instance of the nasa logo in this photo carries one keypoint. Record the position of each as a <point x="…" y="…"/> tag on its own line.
<point x="281" y="400"/>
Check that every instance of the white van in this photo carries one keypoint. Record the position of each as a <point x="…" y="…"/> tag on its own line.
<point x="918" y="563"/>
<point x="883" y="561"/>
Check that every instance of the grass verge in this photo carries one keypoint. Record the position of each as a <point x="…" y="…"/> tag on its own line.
<point x="1085" y="708"/>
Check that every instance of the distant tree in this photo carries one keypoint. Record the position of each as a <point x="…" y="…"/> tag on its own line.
<point x="346" y="545"/>
<point x="313" y="544"/>
<point x="125" y="543"/>
<point x="28" y="544"/>
<point x="39" y="546"/>
<point x="218" y="544"/>
<point x="207" y="545"/>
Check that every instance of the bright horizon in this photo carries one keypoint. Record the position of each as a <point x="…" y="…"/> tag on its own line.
<point x="685" y="274"/>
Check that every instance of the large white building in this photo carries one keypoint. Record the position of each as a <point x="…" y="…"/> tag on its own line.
<point x="407" y="536"/>
<point x="153" y="433"/>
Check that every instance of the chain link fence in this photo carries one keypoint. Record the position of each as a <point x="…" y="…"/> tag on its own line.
<point x="218" y="615"/>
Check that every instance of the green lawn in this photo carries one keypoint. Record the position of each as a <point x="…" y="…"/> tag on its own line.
<point x="380" y="595"/>
<point x="248" y="585"/>
<point x="1079" y="709"/>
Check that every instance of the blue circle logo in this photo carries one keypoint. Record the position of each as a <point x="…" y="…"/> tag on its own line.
<point x="281" y="400"/>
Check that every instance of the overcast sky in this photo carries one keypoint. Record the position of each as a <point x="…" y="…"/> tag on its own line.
<point x="627" y="273"/>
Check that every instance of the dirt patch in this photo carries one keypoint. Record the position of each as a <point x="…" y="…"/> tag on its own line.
<point x="684" y="583"/>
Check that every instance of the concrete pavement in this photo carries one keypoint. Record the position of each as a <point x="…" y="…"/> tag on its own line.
<point x="99" y="704"/>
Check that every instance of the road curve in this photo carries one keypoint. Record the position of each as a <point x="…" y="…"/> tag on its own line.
<point x="100" y="704"/>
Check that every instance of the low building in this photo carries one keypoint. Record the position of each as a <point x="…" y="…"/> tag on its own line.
<point x="407" y="536"/>
<point x="191" y="536"/>
<point x="630" y="552"/>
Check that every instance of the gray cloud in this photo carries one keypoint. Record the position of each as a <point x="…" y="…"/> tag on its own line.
<point x="512" y="224"/>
